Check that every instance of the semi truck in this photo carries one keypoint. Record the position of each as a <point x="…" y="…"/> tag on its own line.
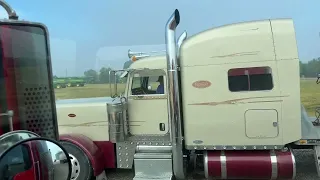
<point x="230" y="107"/>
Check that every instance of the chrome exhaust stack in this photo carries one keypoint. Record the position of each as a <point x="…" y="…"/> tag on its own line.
<point x="174" y="97"/>
<point x="181" y="38"/>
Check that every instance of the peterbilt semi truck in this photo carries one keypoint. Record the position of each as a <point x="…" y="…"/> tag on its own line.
<point x="230" y="106"/>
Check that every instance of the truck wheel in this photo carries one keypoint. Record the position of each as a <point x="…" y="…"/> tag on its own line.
<point x="58" y="86"/>
<point x="81" y="166"/>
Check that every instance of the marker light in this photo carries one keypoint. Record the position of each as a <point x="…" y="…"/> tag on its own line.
<point x="303" y="141"/>
<point x="134" y="58"/>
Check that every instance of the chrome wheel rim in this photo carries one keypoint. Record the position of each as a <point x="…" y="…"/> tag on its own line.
<point x="75" y="167"/>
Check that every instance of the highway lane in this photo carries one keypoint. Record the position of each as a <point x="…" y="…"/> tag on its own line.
<point x="304" y="158"/>
<point x="61" y="171"/>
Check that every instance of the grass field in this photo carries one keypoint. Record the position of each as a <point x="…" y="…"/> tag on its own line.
<point x="310" y="93"/>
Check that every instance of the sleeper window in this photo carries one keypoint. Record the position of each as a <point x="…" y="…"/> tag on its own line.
<point x="250" y="79"/>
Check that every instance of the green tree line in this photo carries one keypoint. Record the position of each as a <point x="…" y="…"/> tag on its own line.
<point x="310" y="68"/>
<point x="94" y="77"/>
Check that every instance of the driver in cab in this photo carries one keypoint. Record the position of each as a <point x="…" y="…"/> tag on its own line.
<point x="160" y="89"/>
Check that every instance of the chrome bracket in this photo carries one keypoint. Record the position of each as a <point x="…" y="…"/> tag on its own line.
<point x="10" y="114"/>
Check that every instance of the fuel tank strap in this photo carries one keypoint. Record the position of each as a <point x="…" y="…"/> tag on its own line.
<point x="223" y="160"/>
<point x="274" y="165"/>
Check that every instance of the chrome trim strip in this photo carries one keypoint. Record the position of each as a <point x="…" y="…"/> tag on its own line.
<point x="274" y="165"/>
<point x="141" y="148"/>
<point x="230" y="147"/>
<point x="205" y="161"/>
<point x="147" y="97"/>
<point x="223" y="160"/>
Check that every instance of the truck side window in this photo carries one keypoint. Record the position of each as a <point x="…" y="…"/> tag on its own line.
<point x="250" y="79"/>
<point x="156" y="84"/>
<point x="147" y="85"/>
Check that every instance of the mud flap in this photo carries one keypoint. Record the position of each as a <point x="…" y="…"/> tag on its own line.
<point x="317" y="158"/>
<point x="102" y="176"/>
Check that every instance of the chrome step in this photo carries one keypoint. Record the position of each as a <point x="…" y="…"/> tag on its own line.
<point x="153" y="166"/>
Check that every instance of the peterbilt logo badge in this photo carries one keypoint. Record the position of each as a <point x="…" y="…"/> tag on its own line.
<point x="72" y="115"/>
<point x="201" y="84"/>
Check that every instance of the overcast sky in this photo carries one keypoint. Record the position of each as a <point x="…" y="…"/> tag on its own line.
<point x="94" y="33"/>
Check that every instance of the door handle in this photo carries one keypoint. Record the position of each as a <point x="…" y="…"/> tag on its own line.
<point x="162" y="127"/>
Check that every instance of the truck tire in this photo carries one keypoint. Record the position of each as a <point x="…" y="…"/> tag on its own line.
<point x="79" y="160"/>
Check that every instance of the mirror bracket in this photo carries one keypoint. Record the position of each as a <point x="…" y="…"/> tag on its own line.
<point x="12" y="15"/>
<point x="9" y="114"/>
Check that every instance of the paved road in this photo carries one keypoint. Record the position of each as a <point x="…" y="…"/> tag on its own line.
<point x="305" y="168"/>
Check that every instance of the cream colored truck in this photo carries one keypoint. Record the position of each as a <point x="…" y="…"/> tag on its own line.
<point x="231" y="102"/>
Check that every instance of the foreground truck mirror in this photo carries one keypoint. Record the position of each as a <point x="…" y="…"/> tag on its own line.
<point x="35" y="159"/>
<point x="13" y="137"/>
<point x="26" y="85"/>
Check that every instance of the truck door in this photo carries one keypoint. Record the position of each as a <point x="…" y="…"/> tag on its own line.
<point x="147" y="108"/>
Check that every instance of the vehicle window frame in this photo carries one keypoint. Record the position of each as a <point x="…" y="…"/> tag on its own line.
<point x="145" y="75"/>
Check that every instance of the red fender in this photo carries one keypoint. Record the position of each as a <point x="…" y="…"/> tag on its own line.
<point x="90" y="148"/>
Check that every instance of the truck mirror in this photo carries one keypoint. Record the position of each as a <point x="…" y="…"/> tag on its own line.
<point x="35" y="159"/>
<point x="26" y="77"/>
<point x="11" y="138"/>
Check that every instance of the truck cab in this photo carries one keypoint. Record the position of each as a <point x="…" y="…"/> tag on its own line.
<point x="147" y="108"/>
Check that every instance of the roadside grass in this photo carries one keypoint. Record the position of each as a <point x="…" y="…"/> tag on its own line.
<point x="310" y="93"/>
